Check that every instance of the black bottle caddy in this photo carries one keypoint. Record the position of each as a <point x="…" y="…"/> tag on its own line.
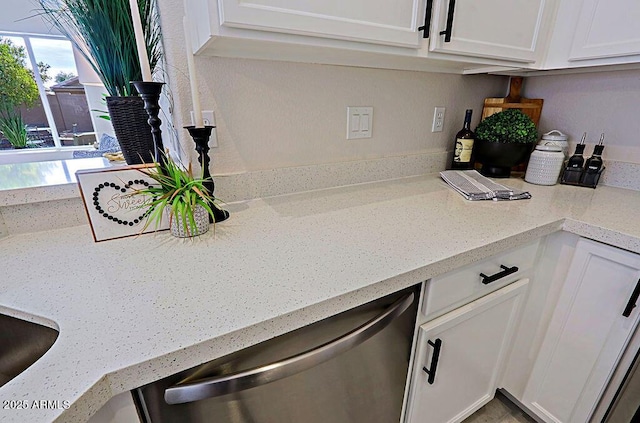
<point x="581" y="178"/>
<point x="589" y="174"/>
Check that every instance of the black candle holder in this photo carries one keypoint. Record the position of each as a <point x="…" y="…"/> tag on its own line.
<point x="150" y="93"/>
<point x="201" y="138"/>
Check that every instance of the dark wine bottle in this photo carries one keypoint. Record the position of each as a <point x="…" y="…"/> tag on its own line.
<point x="462" y="158"/>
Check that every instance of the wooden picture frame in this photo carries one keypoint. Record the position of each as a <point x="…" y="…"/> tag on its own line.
<point x="113" y="208"/>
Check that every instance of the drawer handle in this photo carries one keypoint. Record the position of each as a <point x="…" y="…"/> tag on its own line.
<point x="632" y="301"/>
<point x="505" y="272"/>
<point x="431" y="371"/>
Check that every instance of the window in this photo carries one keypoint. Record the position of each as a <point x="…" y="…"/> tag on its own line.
<point x="60" y="115"/>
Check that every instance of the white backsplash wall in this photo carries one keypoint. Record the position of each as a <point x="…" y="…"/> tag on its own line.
<point x="594" y="103"/>
<point x="272" y="114"/>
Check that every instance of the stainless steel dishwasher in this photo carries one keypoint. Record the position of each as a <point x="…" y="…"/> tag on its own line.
<point x="350" y="368"/>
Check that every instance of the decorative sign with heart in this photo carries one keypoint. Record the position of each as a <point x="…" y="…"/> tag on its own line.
<point x="113" y="206"/>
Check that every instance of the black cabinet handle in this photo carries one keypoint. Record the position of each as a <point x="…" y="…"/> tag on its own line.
<point x="447" y="31"/>
<point x="632" y="301"/>
<point x="431" y="371"/>
<point x="506" y="271"/>
<point x="427" y="20"/>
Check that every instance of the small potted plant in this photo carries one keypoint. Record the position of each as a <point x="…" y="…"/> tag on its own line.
<point x="178" y="196"/>
<point x="503" y="140"/>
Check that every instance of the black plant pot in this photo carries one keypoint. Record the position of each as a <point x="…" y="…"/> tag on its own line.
<point x="129" y="120"/>
<point x="498" y="158"/>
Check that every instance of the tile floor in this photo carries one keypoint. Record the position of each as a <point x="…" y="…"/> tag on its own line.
<point x="499" y="410"/>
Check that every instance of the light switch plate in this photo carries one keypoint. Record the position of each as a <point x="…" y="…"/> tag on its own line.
<point x="359" y="122"/>
<point x="209" y="118"/>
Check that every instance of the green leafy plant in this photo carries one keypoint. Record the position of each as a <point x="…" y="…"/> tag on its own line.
<point x="14" y="129"/>
<point x="508" y="126"/>
<point x="177" y="191"/>
<point x="63" y="76"/>
<point x="104" y="116"/>
<point x="102" y="30"/>
<point x="17" y="87"/>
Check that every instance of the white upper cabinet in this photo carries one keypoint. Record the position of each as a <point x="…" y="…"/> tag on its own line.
<point x="375" y="33"/>
<point x="460" y="35"/>
<point x="594" y="33"/>
<point x="373" y="21"/>
<point x="607" y="28"/>
<point x="510" y="30"/>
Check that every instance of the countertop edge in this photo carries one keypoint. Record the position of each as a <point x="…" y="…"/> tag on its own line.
<point x="606" y="236"/>
<point x="22" y="196"/>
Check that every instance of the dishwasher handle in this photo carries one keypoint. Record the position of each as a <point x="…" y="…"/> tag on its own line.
<point x="251" y="378"/>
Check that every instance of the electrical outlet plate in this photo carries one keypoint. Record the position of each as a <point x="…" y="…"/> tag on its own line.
<point x="438" y="119"/>
<point x="209" y="119"/>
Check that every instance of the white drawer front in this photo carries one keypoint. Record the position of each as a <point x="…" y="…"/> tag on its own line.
<point x="451" y="290"/>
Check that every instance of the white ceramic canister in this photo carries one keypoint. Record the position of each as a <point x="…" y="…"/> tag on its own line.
<point x="545" y="165"/>
<point x="556" y="137"/>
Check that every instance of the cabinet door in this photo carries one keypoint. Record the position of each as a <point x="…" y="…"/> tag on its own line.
<point x="587" y="334"/>
<point x="374" y="21"/>
<point x="470" y="344"/>
<point x="607" y="29"/>
<point x="499" y="29"/>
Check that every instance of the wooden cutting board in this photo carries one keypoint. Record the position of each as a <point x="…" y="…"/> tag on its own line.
<point x="532" y="107"/>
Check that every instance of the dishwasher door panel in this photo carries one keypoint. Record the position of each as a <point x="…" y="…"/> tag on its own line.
<point x="362" y="384"/>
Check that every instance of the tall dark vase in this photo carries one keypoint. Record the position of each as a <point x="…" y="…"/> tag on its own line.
<point x="129" y="120"/>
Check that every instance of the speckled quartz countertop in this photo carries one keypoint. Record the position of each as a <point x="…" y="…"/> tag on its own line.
<point x="134" y="310"/>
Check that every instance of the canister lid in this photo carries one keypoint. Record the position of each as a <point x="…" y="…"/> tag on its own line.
<point x="554" y="135"/>
<point x="548" y="147"/>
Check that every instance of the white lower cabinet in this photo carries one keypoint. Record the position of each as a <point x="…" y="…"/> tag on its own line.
<point x="460" y="355"/>
<point x="590" y="327"/>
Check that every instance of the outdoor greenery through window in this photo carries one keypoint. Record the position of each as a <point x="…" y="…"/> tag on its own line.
<point x="42" y="103"/>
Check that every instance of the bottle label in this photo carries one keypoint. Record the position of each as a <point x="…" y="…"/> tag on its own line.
<point x="464" y="147"/>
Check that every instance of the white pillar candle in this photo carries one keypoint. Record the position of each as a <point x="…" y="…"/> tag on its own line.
<point x="140" y="43"/>
<point x="195" y="96"/>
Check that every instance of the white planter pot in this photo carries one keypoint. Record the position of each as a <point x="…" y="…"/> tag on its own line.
<point x="201" y="218"/>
